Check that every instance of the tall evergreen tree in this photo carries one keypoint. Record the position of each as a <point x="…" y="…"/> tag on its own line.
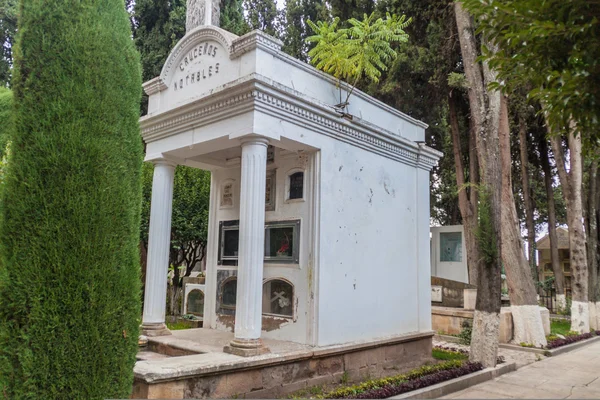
<point x="346" y="9"/>
<point x="160" y="24"/>
<point x="71" y="197"/>
<point x="263" y="15"/>
<point x="232" y="17"/>
<point x="297" y="12"/>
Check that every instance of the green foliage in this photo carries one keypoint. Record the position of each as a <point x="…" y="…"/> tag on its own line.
<point x="560" y="327"/>
<point x="160" y="25"/>
<point x="178" y="326"/>
<point x="442" y="354"/>
<point x="346" y="9"/>
<point x="552" y="49"/>
<point x="70" y="206"/>
<point x="464" y="337"/>
<point x="6" y="117"/>
<point x="8" y="28"/>
<point x="352" y="391"/>
<point x="263" y="15"/>
<point x="297" y="13"/>
<point x="232" y="17"/>
<point x="362" y="50"/>
<point x="485" y="232"/>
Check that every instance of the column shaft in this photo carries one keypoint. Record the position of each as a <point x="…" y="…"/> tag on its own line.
<point x="248" y="314"/>
<point x="159" y="242"/>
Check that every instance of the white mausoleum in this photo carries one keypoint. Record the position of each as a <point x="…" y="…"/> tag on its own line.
<point x="319" y="221"/>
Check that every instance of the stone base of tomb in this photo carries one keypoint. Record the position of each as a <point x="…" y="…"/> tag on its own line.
<point x="289" y="367"/>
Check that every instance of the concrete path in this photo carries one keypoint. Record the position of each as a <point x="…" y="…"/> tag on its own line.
<point x="573" y="375"/>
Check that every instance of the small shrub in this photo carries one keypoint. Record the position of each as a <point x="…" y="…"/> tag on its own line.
<point x="352" y="391"/>
<point x="464" y="336"/>
<point x="523" y="344"/>
<point x="344" y="379"/>
<point x="571" y="339"/>
<point x="421" y="382"/>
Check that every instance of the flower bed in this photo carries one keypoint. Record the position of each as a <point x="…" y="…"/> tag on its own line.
<point x="416" y="379"/>
<point x="554" y="343"/>
<point x="418" y="383"/>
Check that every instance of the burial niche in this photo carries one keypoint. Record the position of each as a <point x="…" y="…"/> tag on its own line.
<point x="229" y="293"/>
<point x="195" y="303"/>
<point x="296" y="185"/>
<point x="278" y="298"/>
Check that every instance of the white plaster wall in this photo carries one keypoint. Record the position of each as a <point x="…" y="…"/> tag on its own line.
<point x="369" y="268"/>
<point x="456" y="271"/>
<point x="294" y="330"/>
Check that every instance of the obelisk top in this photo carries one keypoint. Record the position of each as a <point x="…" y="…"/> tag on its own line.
<point x="202" y="12"/>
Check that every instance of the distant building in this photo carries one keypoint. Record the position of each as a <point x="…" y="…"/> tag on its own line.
<point x="545" y="261"/>
<point x="448" y="253"/>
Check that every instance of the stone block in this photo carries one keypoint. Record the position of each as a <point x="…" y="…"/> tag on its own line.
<point x="205" y="387"/>
<point x="356" y="360"/>
<point x="394" y="353"/>
<point x="243" y="382"/>
<point x="470" y="296"/>
<point x="506" y="325"/>
<point x="166" y="390"/>
<point x="545" y="313"/>
<point x="140" y="390"/>
<point x="329" y="365"/>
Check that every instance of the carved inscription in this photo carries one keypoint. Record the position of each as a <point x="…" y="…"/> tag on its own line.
<point x="197" y="65"/>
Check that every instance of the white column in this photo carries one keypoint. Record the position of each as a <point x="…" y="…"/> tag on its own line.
<point x="248" y="313"/>
<point x="159" y="241"/>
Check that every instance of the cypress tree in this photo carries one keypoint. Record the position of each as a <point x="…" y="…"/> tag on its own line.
<point x="232" y="17"/>
<point x="70" y="205"/>
<point x="263" y="15"/>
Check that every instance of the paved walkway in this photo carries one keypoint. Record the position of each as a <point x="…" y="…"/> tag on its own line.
<point x="573" y="375"/>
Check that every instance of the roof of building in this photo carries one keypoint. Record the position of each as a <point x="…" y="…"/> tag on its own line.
<point x="563" y="240"/>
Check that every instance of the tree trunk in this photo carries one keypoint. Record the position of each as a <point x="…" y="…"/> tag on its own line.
<point x="485" y="110"/>
<point x="592" y="244"/>
<point x="467" y="197"/>
<point x="571" y="184"/>
<point x="529" y="218"/>
<point x="559" y="277"/>
<point x="527" y="320"/>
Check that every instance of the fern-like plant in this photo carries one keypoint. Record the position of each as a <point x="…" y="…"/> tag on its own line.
<point x="363" y="50"/>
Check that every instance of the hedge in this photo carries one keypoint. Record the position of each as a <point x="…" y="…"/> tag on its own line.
<point x="70" y="205"/>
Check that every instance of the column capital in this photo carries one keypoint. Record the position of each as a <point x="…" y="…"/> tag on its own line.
<point x="164" y="161"/>
<point x="248" y="140"/>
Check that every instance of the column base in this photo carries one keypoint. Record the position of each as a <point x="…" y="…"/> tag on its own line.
<point x="158" y="329"/>
<point x="246" y="347"/>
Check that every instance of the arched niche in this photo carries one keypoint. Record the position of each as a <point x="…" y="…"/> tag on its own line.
<point x="195" y="303"/>
<point x="229" y="293"/>
<point x="295" y="185"/>
<point x="278" y="298"/>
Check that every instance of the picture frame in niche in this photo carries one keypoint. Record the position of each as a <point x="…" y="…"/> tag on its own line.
<point x="270" y="190"/>
<point x="282" y="242"/>
<point x="226" y="194"/>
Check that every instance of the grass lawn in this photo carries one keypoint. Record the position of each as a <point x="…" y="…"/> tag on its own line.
<point x="440" y="354"/>
<point x="560" y="327"/>
<point x="176" y="326"/>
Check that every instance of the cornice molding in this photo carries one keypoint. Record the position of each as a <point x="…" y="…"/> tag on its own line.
<point x="154" y="86"/>
<point x="253" y="40"/>
<point x="259" y="94"/>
